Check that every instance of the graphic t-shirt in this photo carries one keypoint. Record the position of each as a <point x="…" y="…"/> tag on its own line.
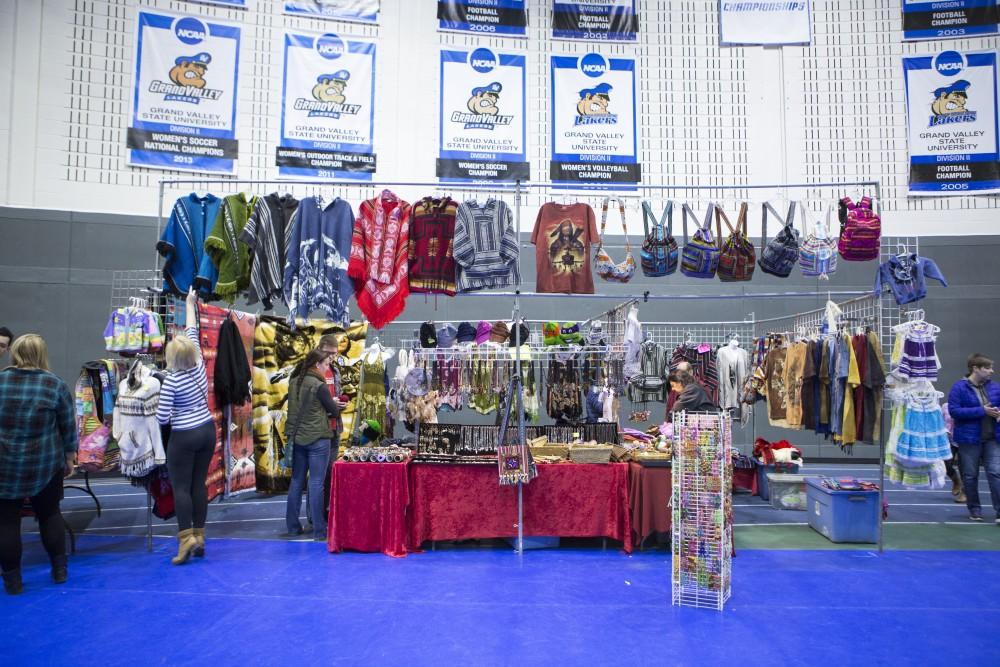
<point x="562" y="238"/>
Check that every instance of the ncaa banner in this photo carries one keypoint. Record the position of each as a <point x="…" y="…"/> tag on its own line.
<point x="593" y="120"/>
<point x="951" y="106"/>
<point x="951" y="19"/>
<point x="358" y="11"/>
<point x="184" y="105"/>
<point x="595" y="20"/>
<point x="239" y="4"/>
<point x="766" y="23"/>
<point x="482" y="130"/>
<point x="491" y="17"/>
<point x="327" y="108"/>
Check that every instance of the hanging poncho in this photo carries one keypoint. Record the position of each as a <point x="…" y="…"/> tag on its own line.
<point x="229" y="254"/>
<point x="379" y="261"/>
<point x="315" y="275"/>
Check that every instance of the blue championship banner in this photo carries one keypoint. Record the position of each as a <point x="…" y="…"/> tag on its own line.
<point x="358" y="11"/>
<point x="327" y="107"/>
<point x="482" y="117"/>
<point x="595" y="20"/>
<point x="593" y="120"/>
<point x="184" y="103"/>
<point x="951" y="107"/>
<point x="949" y="20"/>
<point x="505" y="18"/>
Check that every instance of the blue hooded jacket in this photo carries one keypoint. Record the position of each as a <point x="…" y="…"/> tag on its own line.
<point x="967" y="412"/>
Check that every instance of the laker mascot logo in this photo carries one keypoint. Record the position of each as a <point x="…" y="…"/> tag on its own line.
<point x="949" y="105"/>
<point x="483" y="103"/>
<point x="592" y="107"/>
<point x="329" y="100"/>
<point x="187" y="80"/>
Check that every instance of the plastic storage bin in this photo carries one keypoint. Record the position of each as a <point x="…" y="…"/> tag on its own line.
<point x="842" y="516"/>
<point x="788" y="492"/>
<point x="764" y="469"/>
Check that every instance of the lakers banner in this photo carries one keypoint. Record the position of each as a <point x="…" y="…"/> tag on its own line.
<point x="359" y="11"/>
<point x="327" y="108"/>
<point x="482" y="129"/>
<point x="595" y="20"/>
<point x="951" y="104"/>
<point x="767" y="23"/>
<point x="489" y="17"/>
<point x="949" y="20"/>
<point x="184" y="100"/>
<point x="593" y="120"/>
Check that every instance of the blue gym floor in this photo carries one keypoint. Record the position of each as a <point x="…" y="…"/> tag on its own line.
<point x="260" y="600"/>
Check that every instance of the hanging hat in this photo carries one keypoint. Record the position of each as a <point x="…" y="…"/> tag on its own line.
<point x="446" y="335"/>
<point x="428" y="337"/>
<point x="483" y="331"/>
<point x="595" y="336"/>
<point x="499" y="333"/>
<point x="466" y="333"/>
<point x="550" y="332"/>
<point x="570" y="333"/>
<point x="415" y="383"/>
<point x="522" y="332"/>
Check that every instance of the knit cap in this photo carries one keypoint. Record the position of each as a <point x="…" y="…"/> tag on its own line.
<point x="500" y="332"/>
<point x="570" y="333"/>
<point x="483" y="331"/>
<point x="550" y="332"/>
<point x="523" y="333"/>
<point x="428" y="337"/>
<point x="466" y="333"/>
<point x="446" y="335"/>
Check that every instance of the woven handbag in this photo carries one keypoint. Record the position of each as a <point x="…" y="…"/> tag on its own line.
<point x="817" y="252"/>
<point x="700" y="257"/>
<point x="779" y="255"/>
<point x="659" y="252"/>
<point x="860" y="230"/>
<point x="604" y="266"/>
<point x="737" y="256"/>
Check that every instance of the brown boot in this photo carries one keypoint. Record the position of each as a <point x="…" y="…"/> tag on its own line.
<point x="956" y="486"/>
<point x="199" y="537"/>
<point x="185" y="545"/>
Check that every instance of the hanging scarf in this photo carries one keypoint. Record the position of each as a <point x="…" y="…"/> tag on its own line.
<point x="379" y="261"/>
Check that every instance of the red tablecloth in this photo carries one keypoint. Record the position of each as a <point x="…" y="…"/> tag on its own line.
<point x="452" y="502"/>
<point x="649" y="498"/>
<point x="368" y="504"/>
<point x="745" y="478"/>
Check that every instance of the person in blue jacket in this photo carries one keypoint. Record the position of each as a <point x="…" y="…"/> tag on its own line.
<point x="972" y="403"/>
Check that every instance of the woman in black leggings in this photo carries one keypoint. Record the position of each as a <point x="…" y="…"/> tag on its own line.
<point x="38" y="443"/>
<point x="184" y="406"/>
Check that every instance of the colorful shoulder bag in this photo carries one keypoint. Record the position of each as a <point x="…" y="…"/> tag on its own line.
<point x="604" y="266"/>
<point x="860" y="230"/>
<point x="779" y="255"/>
<point x="737" y="256"/>
<point x="659" y="252"/>
<point x="817" y="252"/>
<point x="700" y="257"/>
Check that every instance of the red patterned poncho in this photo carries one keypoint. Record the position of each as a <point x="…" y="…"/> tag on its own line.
<point x="379" y="261"/>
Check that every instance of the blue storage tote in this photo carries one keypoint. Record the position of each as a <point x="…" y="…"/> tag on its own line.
<point x="842" y="516"/>
<point x="762" y="469"/>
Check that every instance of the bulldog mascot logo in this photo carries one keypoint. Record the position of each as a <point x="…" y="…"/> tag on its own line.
<point x="483" y="102"/>
<point x="329" y="100"/>
<point x="187" y="80"/>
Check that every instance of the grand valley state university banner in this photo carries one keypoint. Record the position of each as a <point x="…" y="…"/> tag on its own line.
<point x="951" y="106"/>
<point x="184" y="102"/>
<point x="481" y="117"/>
<point x="327" y="108"/>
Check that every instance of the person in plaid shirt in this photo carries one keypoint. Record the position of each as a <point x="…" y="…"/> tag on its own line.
<point x="38" y="443"/>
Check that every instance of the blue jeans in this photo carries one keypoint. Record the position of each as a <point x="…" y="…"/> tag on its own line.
<point x="312" y="460"/>
<point x="969" y="458"/>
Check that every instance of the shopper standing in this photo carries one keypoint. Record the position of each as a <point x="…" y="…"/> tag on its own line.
<point x="38" y="443"/>
<point x="973" y="402"/>
<point x="308" y="431"/>
<point x="184" y="406"/>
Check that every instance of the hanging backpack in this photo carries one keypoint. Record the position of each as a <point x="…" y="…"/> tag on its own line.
<point x="700" y="257"/>
<point x="817" y="252"/>
<point x="659" y="251"/>
<point x="860" y="230"/>
<point x="737" y="256"/>
<point x="604" y="266"/>
<point x="779" y="255"/>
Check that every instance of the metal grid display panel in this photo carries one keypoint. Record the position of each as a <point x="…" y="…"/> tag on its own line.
<point x="846" y="102"/>
<point x="702" y="529"/>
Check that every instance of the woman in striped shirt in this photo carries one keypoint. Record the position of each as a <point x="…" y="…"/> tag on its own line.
<point x="184" y="406"/>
